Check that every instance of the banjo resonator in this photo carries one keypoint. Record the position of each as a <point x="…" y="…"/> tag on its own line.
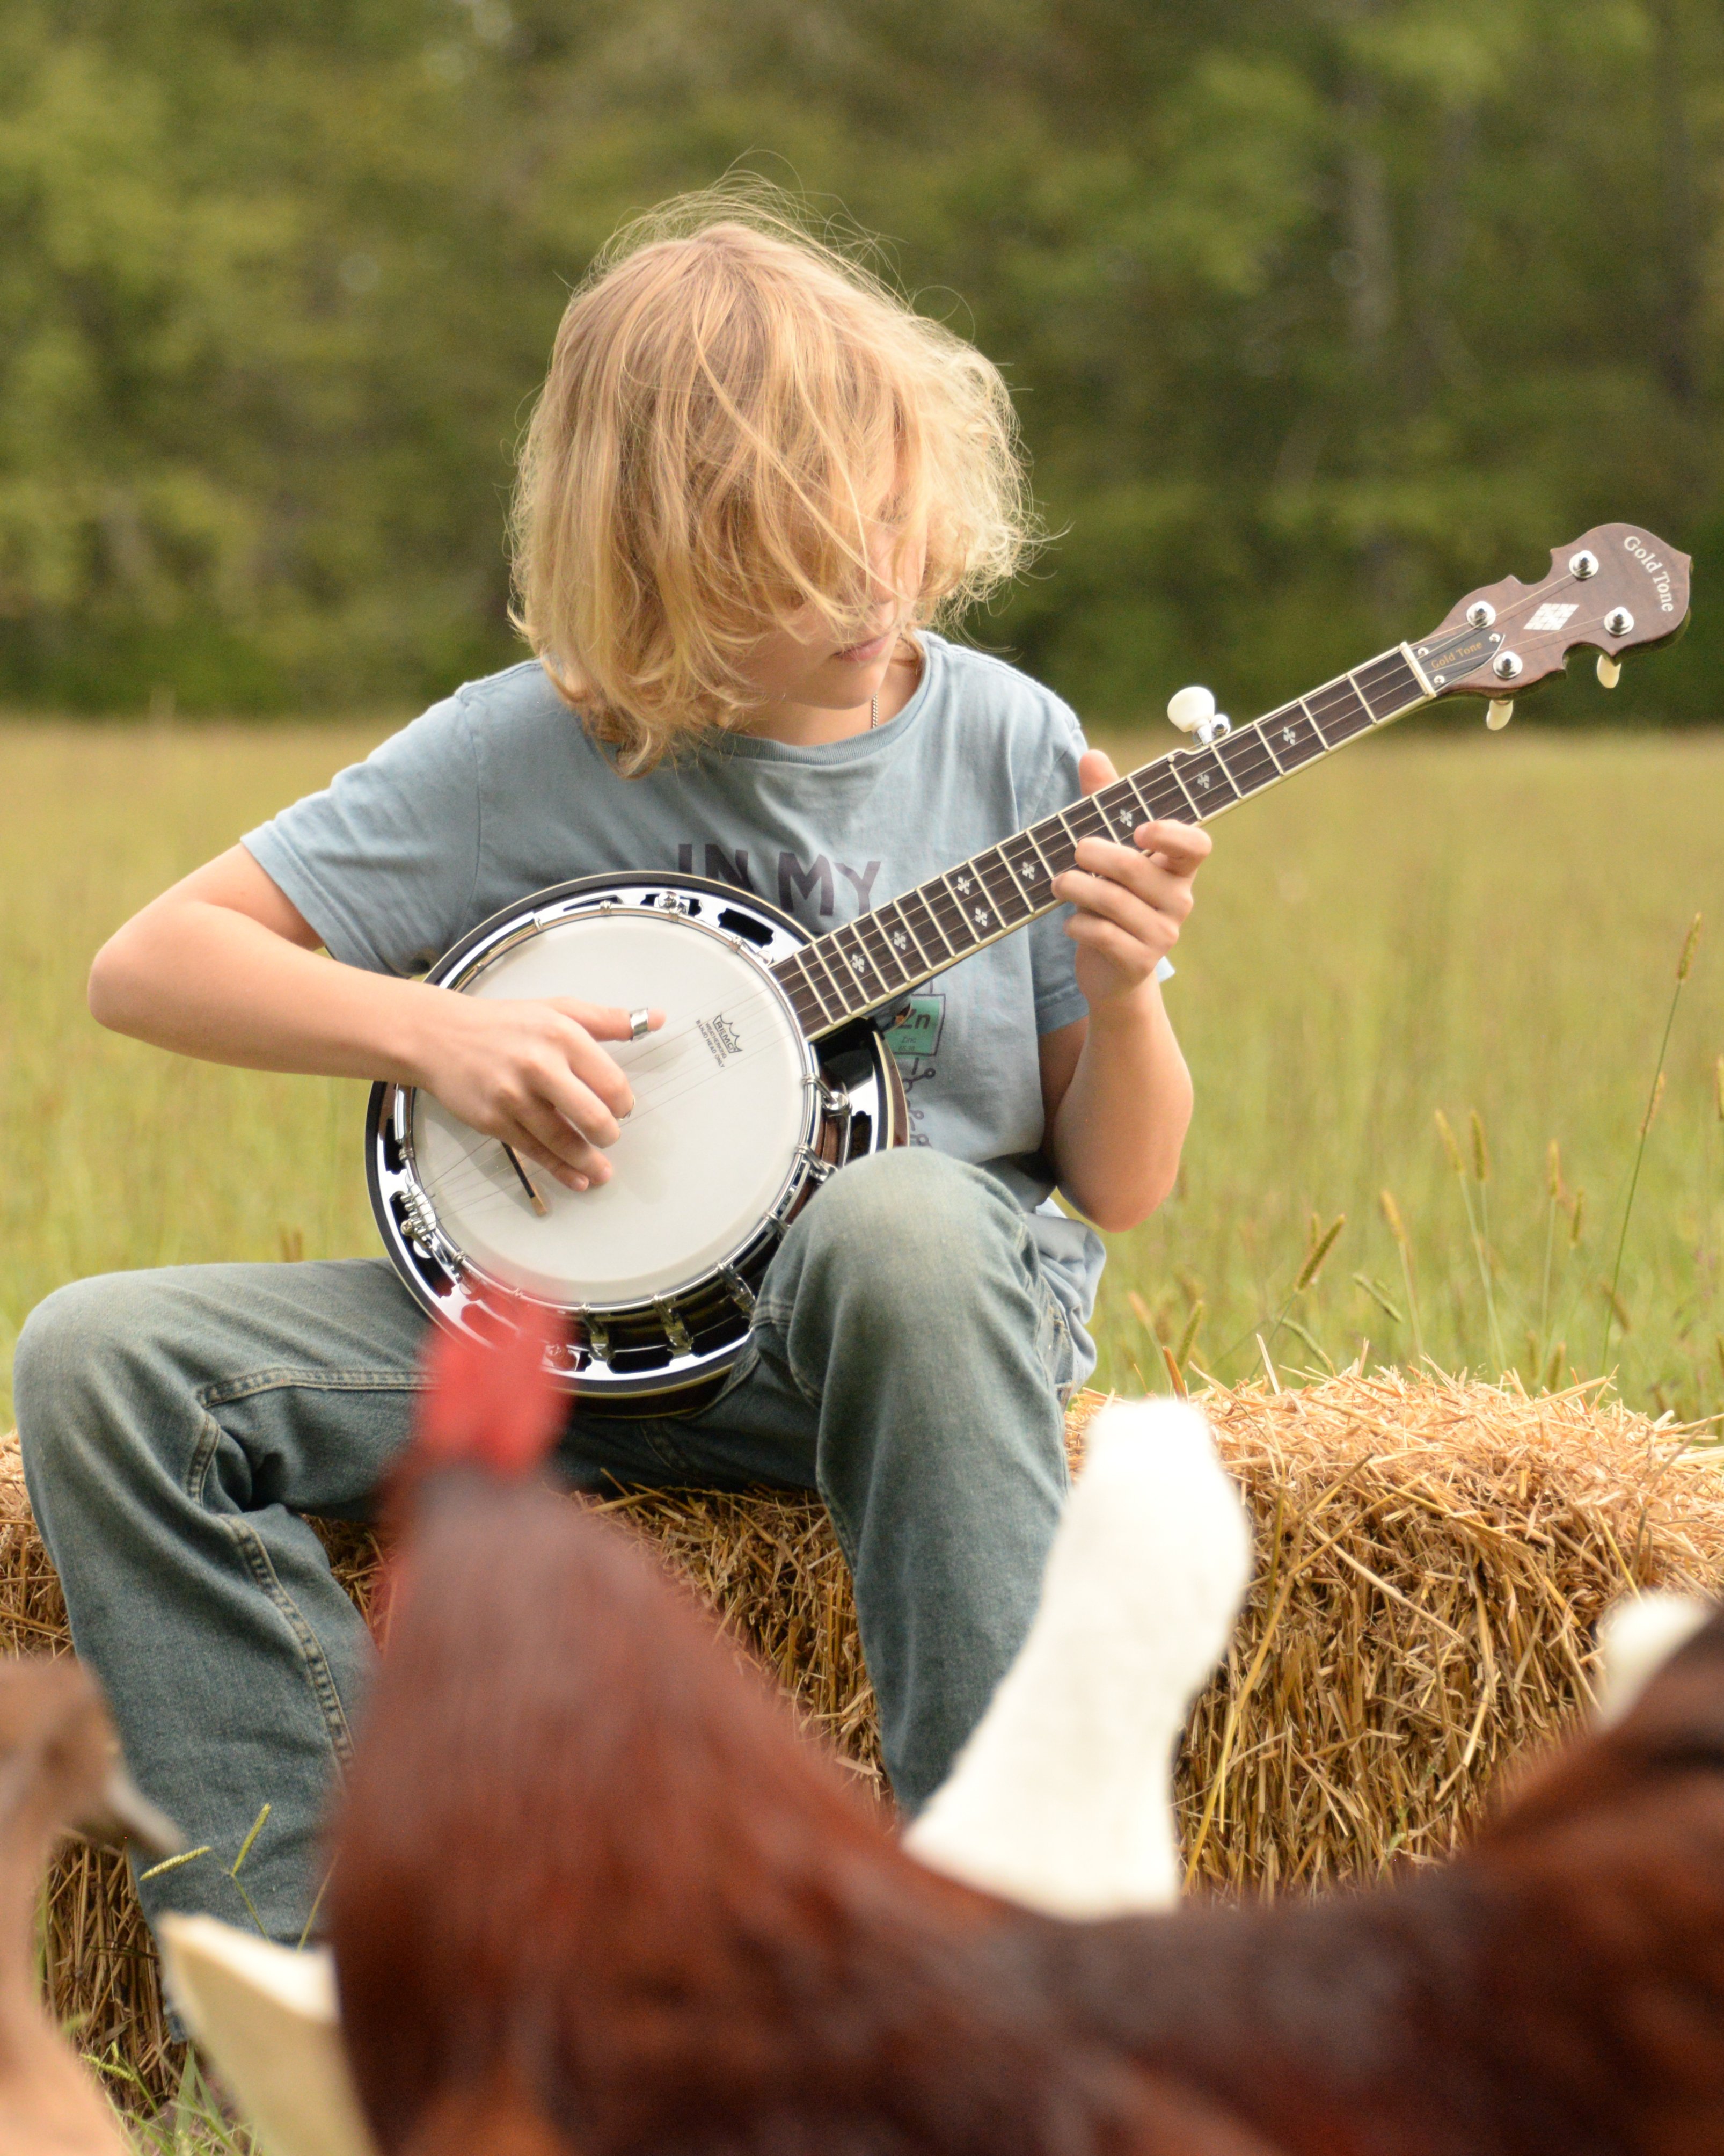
<point x="738" y="1118"/>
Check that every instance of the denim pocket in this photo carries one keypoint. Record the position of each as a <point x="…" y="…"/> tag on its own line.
<point x="1055" y="1349"/>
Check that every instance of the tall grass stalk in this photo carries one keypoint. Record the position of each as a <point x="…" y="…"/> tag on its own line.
<point x="1476" y="1219"/>
<point x="1403" y="1249"/>
<point x="1553" y="1186"/>
<point x="1319" y="1242"/>
<point x="1612" y="1302"/>
<point x="194" y="2124"/>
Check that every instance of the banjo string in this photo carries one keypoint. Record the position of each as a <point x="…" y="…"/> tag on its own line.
<point x="658" y="1078"/>
<point x="660" y="1063"/>
<point x="474" y="1183"/>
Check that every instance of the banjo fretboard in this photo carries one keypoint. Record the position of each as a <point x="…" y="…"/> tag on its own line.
<point x="860" y="969"/>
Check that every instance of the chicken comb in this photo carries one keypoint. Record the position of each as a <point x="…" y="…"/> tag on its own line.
<point x="491" y="1403"/>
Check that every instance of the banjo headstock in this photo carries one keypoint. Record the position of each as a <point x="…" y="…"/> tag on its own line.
<point x="1616" y="588"/>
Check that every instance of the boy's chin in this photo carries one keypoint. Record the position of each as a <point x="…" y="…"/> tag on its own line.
<point x="843" y="684"/>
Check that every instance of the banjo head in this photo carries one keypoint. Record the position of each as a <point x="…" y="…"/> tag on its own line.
<point x="723" y="1108"/>
<point x="737" y="1119"/>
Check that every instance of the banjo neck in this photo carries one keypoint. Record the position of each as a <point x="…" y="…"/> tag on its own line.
<point x="1616" y="588"/>
<point x="864" y="966"/>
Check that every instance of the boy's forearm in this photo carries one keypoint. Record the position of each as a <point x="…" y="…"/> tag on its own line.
<point x="206" y="980"/>
<point x="1122" y="1123"/>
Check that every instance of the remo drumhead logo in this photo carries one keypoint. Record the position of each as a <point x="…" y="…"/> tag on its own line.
<point x="722" y="1039"/>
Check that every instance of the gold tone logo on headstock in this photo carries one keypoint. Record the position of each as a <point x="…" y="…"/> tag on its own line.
<point x="1616" y="588"/>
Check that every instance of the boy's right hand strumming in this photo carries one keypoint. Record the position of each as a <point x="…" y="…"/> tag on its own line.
<point x="224" y="966"/>
<point x="533" y="1075"/>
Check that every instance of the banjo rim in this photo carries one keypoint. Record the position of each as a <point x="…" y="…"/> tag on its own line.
<point x="468" y="1287"/>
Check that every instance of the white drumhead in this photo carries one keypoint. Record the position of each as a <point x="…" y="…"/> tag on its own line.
<point x="721" y="1109"/>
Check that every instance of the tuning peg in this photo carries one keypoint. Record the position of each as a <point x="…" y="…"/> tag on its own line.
<point x="1191" y="708"/>
<point x="1193" y="711"/>
<point x="1609" y="670"/>
<point x="1501" y="712"/>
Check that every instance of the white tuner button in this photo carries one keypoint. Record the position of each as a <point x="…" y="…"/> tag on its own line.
<point x="1191" y="708"/>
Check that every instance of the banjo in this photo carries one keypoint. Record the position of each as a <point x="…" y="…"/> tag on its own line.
<point x="771" y="1073"/>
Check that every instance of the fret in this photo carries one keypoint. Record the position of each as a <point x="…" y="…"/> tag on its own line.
<point x="792" y="977"/>
<point x="1055" y="843"/>
<point x="975" y="902"/>
<point x="1169" y="797"/>
<point x="814" y="953"/>
<point x="1389" y="686"/>
<point x="1119" y="806"/>
<point x="1247" y="759"/>
<point x="871" y="933"/>
<point x="919" y="897"/>
<point x="1092" y="822"/>
<point x="1362" y="699"/>
<point x="1031" y="871"/>
<point x="848" y="942"/>
<point x="905" y="930"/>
<point x="1168" y="765"/>
<point x="1001" y="884"/>
<point x="1035" y="844"/>
<point x="949" y="912"/>
<point x="1385" y="667"/>
<point x="1340" y="709"/>
<point x="1293" y="736"/>
<point x="1204" y="777"/>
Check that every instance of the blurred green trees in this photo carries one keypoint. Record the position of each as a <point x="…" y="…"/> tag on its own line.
<point x="1318" y="313"/>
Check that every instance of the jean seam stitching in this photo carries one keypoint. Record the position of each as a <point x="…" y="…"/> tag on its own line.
<point x="847" y="1547"/>
<point x="671" y="1455"/>
<point x="287" y="1378"/>
<point x="203" y="1455"/>
<point x="767" y="1325"/>
<point x="250" y="1546"/>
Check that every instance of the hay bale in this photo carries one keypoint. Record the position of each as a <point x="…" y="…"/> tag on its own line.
<point x="1432" y="1557"/>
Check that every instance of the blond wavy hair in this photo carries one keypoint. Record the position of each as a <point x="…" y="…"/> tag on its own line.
<point x="734" y="410"/>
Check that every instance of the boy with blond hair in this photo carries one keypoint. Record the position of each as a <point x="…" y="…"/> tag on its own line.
<point x="753" y="482"/>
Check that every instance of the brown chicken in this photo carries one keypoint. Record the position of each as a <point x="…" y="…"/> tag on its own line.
<point x="59" y="1767"/>
<point x="594" y="1893"/>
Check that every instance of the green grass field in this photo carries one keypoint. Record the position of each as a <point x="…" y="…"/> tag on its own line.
<point x="1457" y="922"/>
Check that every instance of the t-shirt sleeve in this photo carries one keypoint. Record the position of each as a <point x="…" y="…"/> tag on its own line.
<point x="384" y="862"/>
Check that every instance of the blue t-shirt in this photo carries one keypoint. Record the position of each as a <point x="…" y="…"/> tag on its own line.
<point x="500" y="790"/>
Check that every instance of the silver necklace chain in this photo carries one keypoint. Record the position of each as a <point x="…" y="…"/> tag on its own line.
<point x="873" y="713"/>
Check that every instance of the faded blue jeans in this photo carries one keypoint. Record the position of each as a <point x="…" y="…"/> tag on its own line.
<point x="907" y="1361"/>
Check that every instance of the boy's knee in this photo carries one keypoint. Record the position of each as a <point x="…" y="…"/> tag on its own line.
<point x="69" y="1365"/>
<point x="56" y="1347"/>
<point x="902" y="1234"/>
<point x="911" y="1197"/>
